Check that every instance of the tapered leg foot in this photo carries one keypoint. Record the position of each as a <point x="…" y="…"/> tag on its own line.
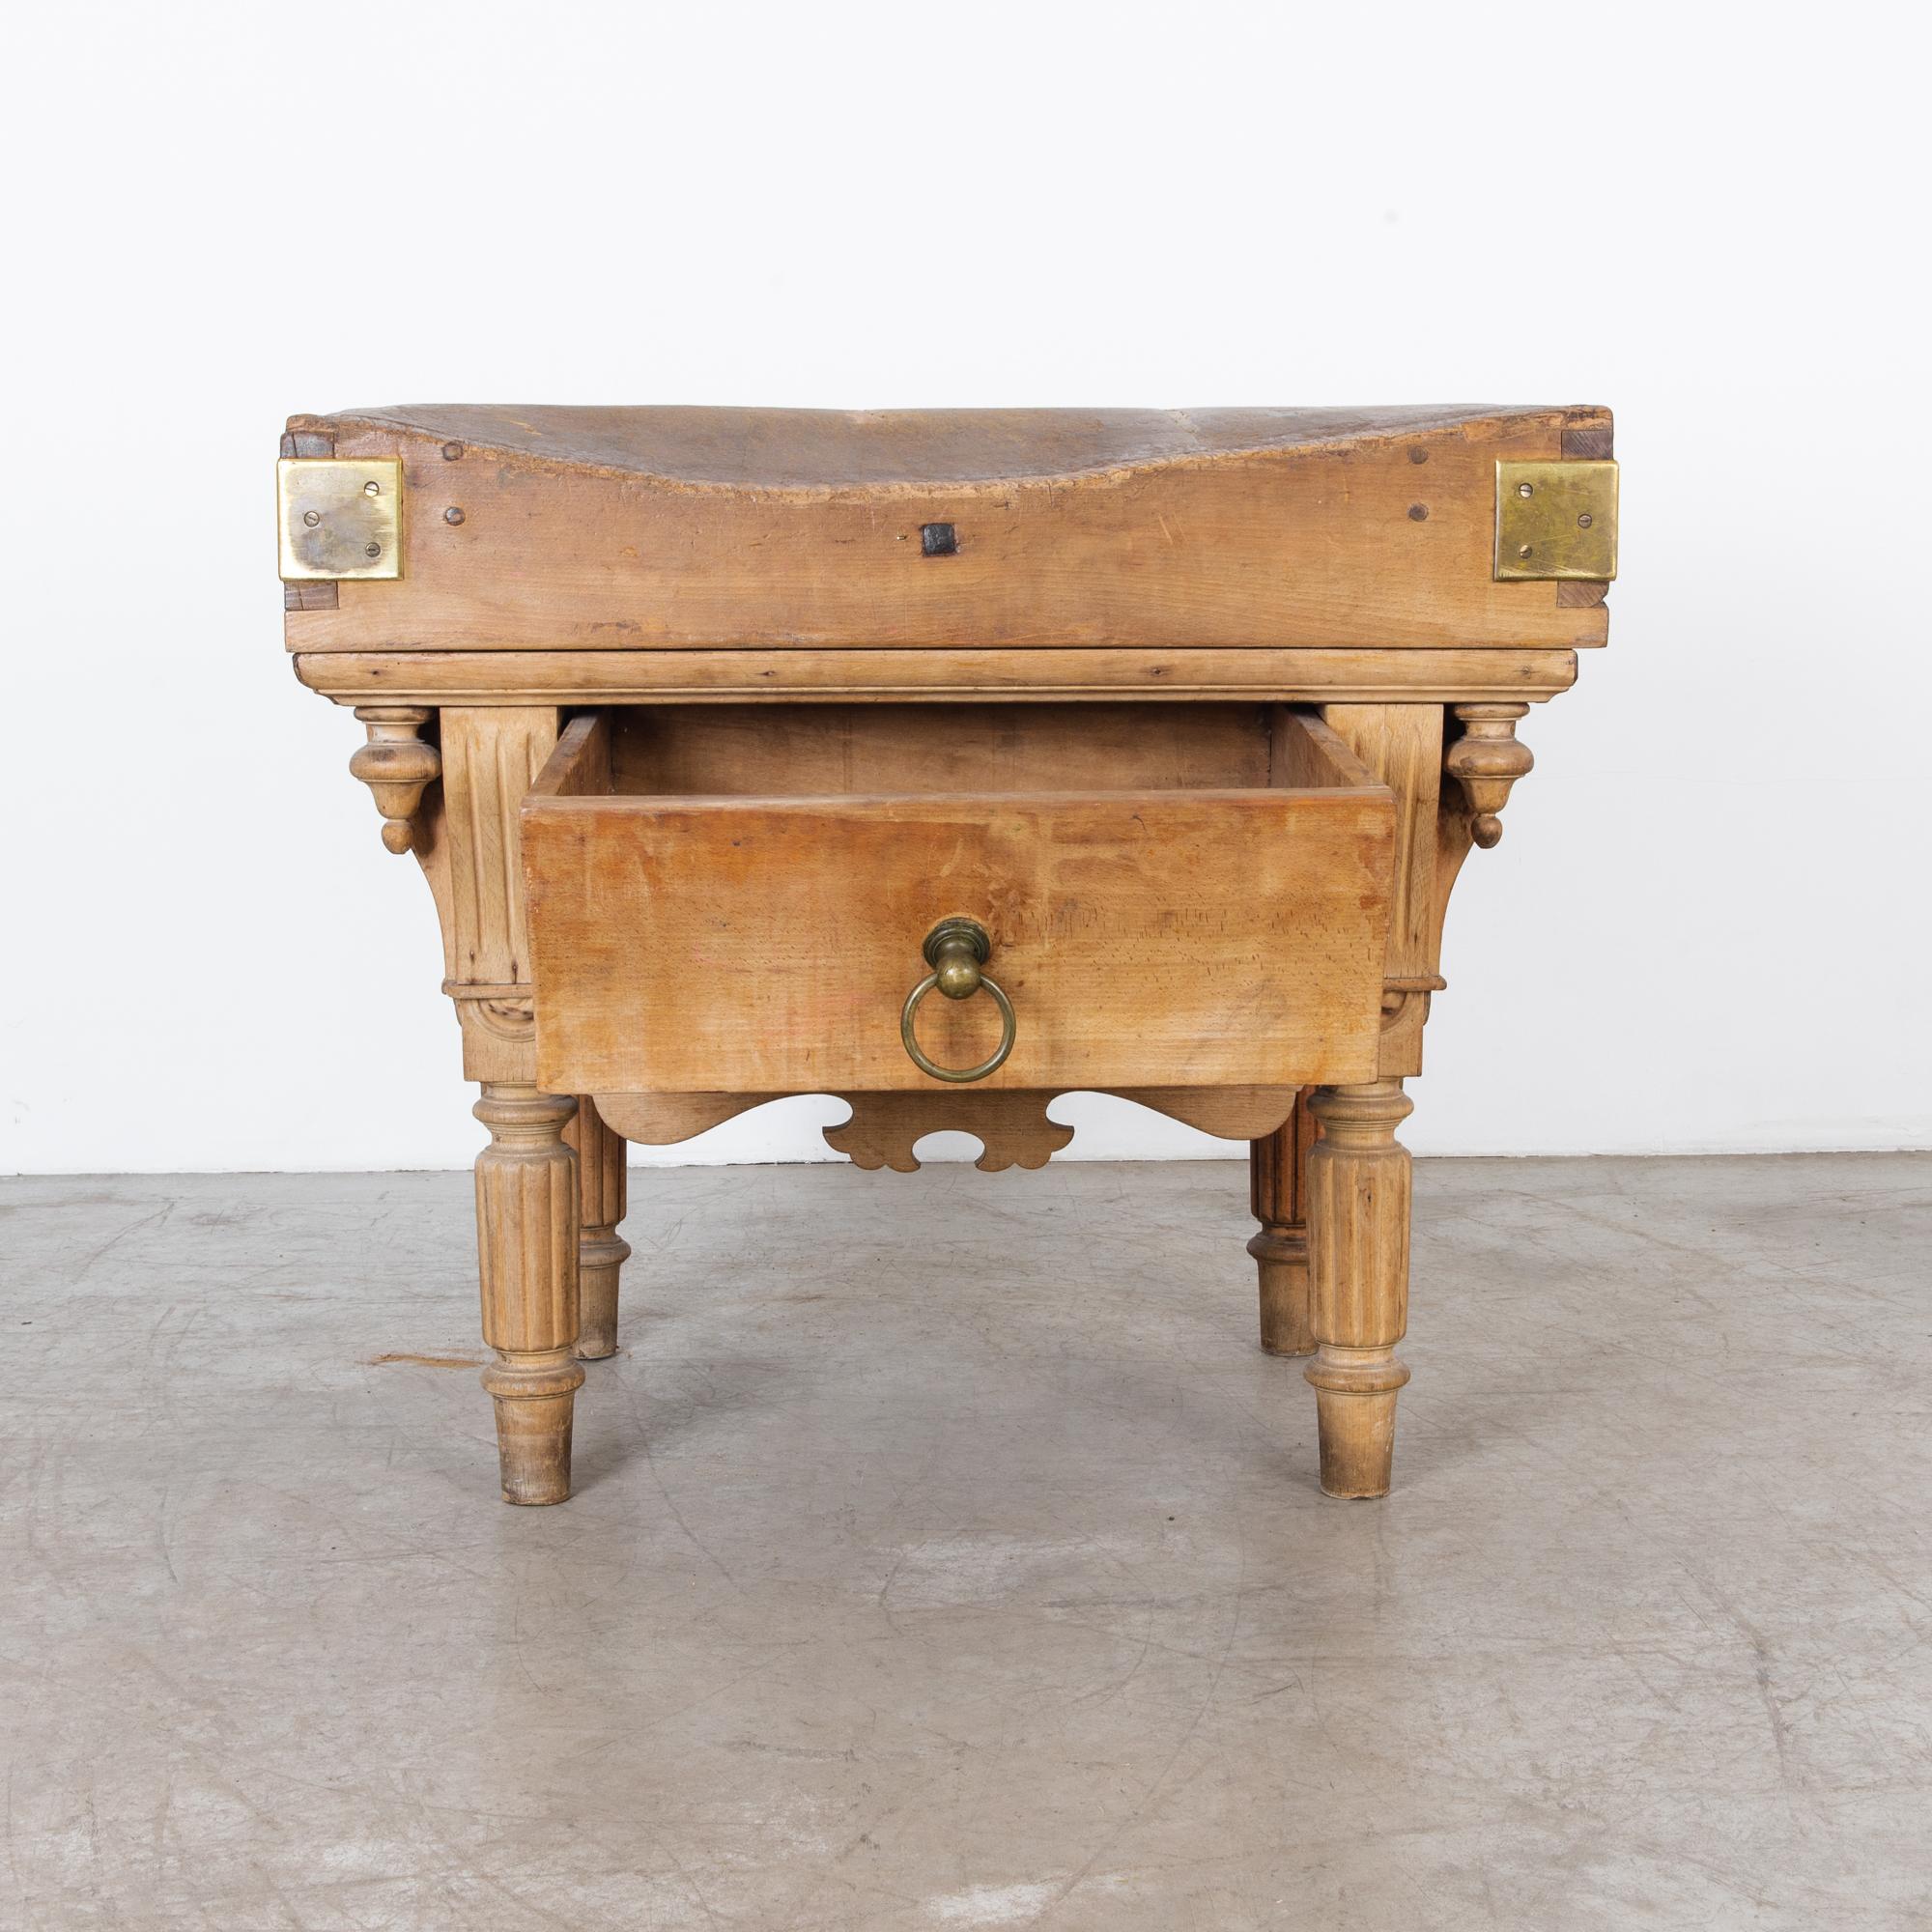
<point x="1354" y="1416"/>
<point x="1275" y="1194"/>
<point x="526" y="1253"/>
<point x="1358" y="1208"/>
<point x="601" y="1183"/>
<point x="535" y="1395"/>
<point x="1282" y="1255"/>
<point x="599" y="1263"/>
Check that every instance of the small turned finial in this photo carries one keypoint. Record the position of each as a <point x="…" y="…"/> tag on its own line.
<point x="396" y="766"/>
<point x="1486" y="761"/>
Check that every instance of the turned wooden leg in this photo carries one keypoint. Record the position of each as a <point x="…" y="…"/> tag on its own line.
<point x="1357" y="1202"/>
<point x="1281" y="1249"/>
<point x="526" y="1255"/>
<point x="601" y="1175"/>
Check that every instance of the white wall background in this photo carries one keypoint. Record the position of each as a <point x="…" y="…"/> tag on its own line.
<point x="1706" y="927"/>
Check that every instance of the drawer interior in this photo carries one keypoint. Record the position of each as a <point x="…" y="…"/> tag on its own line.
<point x="735" y="897"/>
<point x="807" y="750"/>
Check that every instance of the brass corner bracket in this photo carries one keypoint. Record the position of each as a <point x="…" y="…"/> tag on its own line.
<point x="341" y="517"/>
<point x="1556" y="520"/>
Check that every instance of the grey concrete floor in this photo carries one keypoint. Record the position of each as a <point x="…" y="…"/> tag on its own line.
<point x="947" y="1555"/>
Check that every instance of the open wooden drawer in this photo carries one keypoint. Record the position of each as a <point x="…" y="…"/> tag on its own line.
<point x="736" y="899"/>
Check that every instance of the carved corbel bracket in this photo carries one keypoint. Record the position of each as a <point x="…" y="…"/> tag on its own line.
<point x="396" y="766"/>
<point x="500" y="1031"/>
<point x="1486" y="761"/>
<point x="1397" y="993"/>
<point x="505" y="1012"/>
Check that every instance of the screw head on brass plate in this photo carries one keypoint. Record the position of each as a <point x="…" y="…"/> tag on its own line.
<point x="1556" y="520"/>
<point x="340" y="517"/>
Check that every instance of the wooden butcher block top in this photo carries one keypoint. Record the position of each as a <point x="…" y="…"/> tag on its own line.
<point x="551" y="529"/>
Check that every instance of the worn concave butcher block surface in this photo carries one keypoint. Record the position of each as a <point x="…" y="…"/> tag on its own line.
<point x="822" y="450"/>
<point x="627" y="528"/>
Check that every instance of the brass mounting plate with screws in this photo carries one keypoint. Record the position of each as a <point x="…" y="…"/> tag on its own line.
<point x="1556" y="520"/>
<point x="340" y="517"/>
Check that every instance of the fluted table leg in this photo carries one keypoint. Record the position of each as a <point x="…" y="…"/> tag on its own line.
<point x="602" y="1178"/>
<point x="526" y="1253"/>
<point x="1276" y="1196"/>
<point x="1359" y="1207"/>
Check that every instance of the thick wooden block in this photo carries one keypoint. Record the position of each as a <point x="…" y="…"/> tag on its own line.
<point x="602" y="529"/>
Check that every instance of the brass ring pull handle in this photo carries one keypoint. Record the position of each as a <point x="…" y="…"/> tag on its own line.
<point x="956" y="949"/>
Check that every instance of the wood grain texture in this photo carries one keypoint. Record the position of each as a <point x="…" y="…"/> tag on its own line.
<point x="1360" y="674"/>
<point x="1146" y="937"/>
<point x="807" y="750"/>
<point x="1230" y="1113"/>
<point x="776" y="529"/>
<point x="663" y="1120"/>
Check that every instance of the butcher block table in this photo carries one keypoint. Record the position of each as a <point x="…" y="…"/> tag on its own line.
<point x="944" y="762"/>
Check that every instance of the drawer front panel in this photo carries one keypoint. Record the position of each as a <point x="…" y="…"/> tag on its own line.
<point x="1160" y="938"/>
